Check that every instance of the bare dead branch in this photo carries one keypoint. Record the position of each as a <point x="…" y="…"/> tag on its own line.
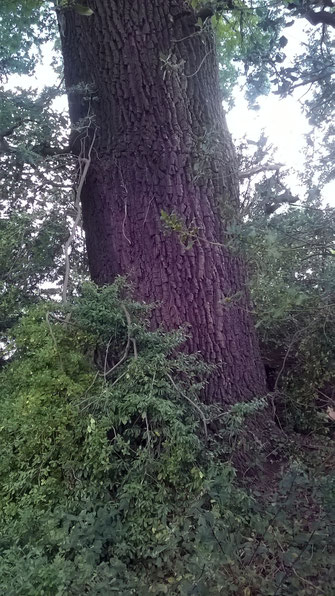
<point x="87" y="162"/>
<point x="260" y="168"/>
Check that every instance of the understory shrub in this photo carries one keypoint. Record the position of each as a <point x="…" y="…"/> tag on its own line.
<point x="291" y="264"/>
<point x="110" y="484"/>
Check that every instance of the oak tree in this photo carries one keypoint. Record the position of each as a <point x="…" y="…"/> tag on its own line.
<point x="162" y="184"/>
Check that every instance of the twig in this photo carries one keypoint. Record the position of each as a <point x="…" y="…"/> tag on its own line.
<point x="204" y="421"/>
<point x="305" y="581"/>
<point x="258" y="169"/>
<point x="106" y="357"/>
<point x="54" y="339"/>
<point x="125" y="207"/>
<point x="122" y="359"/>
<point x="200" y="65"/>
<point x="87" y="162"/>
<point x="148" y="431"/>
<point x="126" y="351"/>
<point x="133" y="340"/>
<point x="285" y="576"/>
<point x="92" y="383"/>
<point x="50" y="329"/>
<point x="292" y="342"/>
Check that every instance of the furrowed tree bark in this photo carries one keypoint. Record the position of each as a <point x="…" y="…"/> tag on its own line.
<point x="144" y="75"/>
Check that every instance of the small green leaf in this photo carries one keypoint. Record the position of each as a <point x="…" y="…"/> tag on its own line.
<point x="83" y="10"/>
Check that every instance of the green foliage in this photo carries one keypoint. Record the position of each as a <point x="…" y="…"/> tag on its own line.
<point x="107" y="484"/>
<point x="29" y="125"/>
<point x="291" y="257"/>
<point x="187" y="234"/>
<point x="73" y="4"/>
<point x="72" y="436"/>
<point x="23" y="27"/>
<point x="30" y="251"/>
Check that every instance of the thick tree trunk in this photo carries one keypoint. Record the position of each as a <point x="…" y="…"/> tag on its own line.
<point x="144" y="75"/>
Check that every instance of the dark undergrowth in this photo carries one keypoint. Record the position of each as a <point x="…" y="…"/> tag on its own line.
<point x="109" y="484"/>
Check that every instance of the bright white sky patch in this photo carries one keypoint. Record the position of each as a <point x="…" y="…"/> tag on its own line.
<point x="282" y="121"/>
<point x="285" y="126"/>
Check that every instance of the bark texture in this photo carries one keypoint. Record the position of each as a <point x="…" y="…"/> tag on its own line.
<point x="144" y="75"/>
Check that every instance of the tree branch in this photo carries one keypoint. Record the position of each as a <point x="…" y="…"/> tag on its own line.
<point x="202" y="415"/>
<point x="321" y="17"/>
<point x="316" y="18"/>
<point x="87" y="162"/>
<point x="259" y="168"/>
<point x="44" y="150"/>
<point x="47" y="151"/>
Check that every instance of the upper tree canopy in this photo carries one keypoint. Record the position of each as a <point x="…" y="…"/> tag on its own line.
<point x="251" y="39"/>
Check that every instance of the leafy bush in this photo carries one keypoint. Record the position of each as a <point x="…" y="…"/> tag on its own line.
<point x="108" y="484"/>
<point x="291" y="259"/>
